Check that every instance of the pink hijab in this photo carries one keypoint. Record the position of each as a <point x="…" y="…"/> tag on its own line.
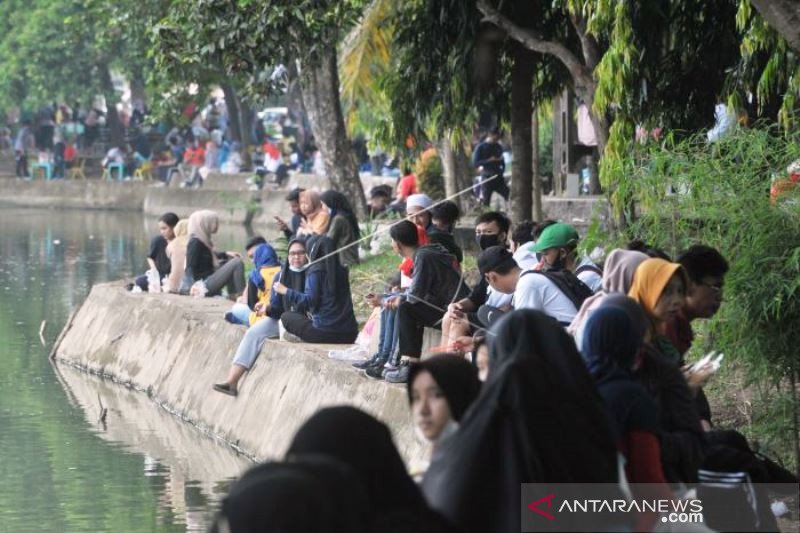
<point x="618" y="274"/>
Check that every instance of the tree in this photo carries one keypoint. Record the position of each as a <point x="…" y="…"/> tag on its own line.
<point x="252" y="38"/>
<point x="784" y="16"/>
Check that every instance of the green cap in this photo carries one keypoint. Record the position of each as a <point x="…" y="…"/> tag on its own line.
<point x="556" y="236"/>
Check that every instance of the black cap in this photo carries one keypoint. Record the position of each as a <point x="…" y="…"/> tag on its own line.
<point x="495" y="258"/>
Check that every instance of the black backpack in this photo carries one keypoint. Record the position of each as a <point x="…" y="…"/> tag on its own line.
<point x="568" y="283"/>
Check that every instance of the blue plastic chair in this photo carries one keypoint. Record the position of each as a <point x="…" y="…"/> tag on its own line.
<point x="108" y="173"/>
<point x="46" y="168"/>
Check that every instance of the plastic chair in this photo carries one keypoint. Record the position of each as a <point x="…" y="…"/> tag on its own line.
<point x="46" y="168"/>
<point x="145" y="171"/>
<point x="77" y="171"/>
<point x="108" y="173"/>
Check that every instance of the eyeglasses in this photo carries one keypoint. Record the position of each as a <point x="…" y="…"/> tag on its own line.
<point x="296" y="254"/>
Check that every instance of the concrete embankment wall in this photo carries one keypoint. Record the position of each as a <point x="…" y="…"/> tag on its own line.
<point x="73" y="194"/>
<point x="175" y="347"/>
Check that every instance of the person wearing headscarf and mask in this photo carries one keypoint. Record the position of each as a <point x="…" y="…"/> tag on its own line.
<point x="343" y="227"/>
<point x="613" y="336"/>
<point x="315" y="215"/>
<point x="617" y="278"/>
<point x="355" y="438"/>
<point x="440" y="389"/>
<point x="265" y="266"/>
<point x="326" y="295"/>
<point x="203" y="262"/>
<point x="537" y="419"/>
<point x="176" y="252"/>
<point x="310" y="495"/>
<point x="658" y="286"/>
<point x="292" y="275"/>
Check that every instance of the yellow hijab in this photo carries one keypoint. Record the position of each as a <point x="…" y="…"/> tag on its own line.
<point x="650" y="279"/>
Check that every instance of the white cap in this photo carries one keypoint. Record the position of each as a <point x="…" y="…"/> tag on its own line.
<point x="418" y="200"/>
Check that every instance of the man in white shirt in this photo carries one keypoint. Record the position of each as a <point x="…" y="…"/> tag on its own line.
<point x="558" y="245"/>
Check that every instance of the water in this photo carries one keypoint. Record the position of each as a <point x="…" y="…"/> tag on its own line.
<point x="61" y="469"/>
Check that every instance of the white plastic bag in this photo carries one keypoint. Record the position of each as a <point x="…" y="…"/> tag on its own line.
<point x="153" y="281"/>
<point x="199" y="289"/>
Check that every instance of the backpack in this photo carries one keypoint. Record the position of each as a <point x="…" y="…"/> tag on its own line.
<point x="590" y="268"/>
<point x="568" y="283"/>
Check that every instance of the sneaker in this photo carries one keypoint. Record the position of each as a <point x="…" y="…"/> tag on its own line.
<point x="224" y="388"/>
<point x="362" y="365"/>
<point x="375" y="371"/>
<point x="399" y="375"/>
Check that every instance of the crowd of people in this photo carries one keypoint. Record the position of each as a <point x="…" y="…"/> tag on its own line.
<point x="553" y="368"/>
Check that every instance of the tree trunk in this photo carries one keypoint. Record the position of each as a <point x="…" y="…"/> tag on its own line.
<point x="138" y="87"/>
<point x="457" y="173"/>
<point x="232" y="105"/>
<point x="246" y="117"/>
<point x="320" y="85"/>
<point x="115" y="130"/>
<point x="521" y="137"/>
<point x="538" y="215"/>
<point x="784" y="16"/>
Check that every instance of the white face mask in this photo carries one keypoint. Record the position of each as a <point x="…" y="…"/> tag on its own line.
<point x="298" y="269"/>
<point x="447" y="431"/>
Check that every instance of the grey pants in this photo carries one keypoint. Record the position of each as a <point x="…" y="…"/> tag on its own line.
<point x="253" y="340"/>
<point x="231" y="274"/>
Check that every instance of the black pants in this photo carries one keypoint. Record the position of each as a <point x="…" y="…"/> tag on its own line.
<point x="300" y="325"/>
<point x="412" y="321"/>
<point x="22" y="165"/>
<point x="497" y="185"/>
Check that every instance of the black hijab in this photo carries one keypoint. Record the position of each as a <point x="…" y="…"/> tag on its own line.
<point x="322" y="258"/>
<point x="307" y="496"/>
<point x="364" y="444"/>
<point x="456" y="376"/>
<point x="538" y="419"/>
<point x="340" y="205"/>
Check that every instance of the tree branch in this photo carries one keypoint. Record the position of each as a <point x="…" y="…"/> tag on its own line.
<point x="581" y="75"/>
<point x="591" y="50"/>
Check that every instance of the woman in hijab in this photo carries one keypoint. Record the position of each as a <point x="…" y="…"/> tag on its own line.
<point x="204" y="263"/>
<point x="358" y="440"/>
<point x="311" y="495"/>
<point x="292" y="275"/>
<point x="176" y="252"/>
<point x="326" y="296"/>
<point x="537" y="419"/>
<point x="658" y="286"/>
<point x="618" y="274"/>
<point x="612" y="338"/>
<point x="316" y="217"/>
<point x="265" y="266"/>
<point x="343" y="228"/>
<point x="440" y="389"/>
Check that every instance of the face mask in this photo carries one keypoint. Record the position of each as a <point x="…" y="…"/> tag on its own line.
<point x="559" y="264"/>
<point x="298" y="269"/>
<point x="487" y="241"/>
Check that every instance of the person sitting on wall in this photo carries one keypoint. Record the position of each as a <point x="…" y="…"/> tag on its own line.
<point x="203" y="263"/>
<point x="326" y="295"/>
<point x="157" y="257"/>
<point x="343" y="227"/>
<point x="193" y="159"/>
<point x="315" y="216"/>
<point x="268" y="315"/>
<point x="265" y="265"/>
<point x="290" y="229"/>
<point x="418" y="211"/>
<point x="176" y="253"/>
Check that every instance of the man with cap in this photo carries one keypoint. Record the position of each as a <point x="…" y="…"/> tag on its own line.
<point x="530" y="289"/>
<point x="558" y="246"/>
<point x="418" y="209"/>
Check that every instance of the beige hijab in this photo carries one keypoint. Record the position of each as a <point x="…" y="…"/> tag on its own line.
<point x="202" y="225"/>
<point x="319" y="217"/>
<point x="618" y="274"/>
<point x="176" y="251"/>
<point x="181" y="237"/>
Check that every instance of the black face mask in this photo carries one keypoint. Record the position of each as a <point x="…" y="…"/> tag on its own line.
<point x="487" y="241"/>
<point x="560" y="264"/>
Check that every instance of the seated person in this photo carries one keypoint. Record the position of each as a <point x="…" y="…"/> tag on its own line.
<point x="379" y="199"/>
<point x="491" y="229"/>
<point x="176" y="253"/>
<point x="193" y="159"/>
<point x="165" y="164"/>
<point x="326" y="295"/>
<point x="343" y="226"/>
<point x="290" y="230"/>
<point x="315" y="216"/>
<point x="418" y="211"/>
<point x="292" y="275"/>
<point x="70" y="154"/>
<point x="157" y="257"/>
<point x="231" y="158"/>
<point x="436" y="281"/>
<point x="521" y="242"/>
<point x="440" y="389"/>
<point x="558" y="245"/>
<point x="116" y="155"/>
<point x="265" y="266"/>
<point x="203" y="263"/>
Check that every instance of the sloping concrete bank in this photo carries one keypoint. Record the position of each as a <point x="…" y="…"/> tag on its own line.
<point x="73" y="194"/>
<point x="175" y="347"/>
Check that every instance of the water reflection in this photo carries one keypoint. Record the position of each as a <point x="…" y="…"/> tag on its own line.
<point x="60" y="470"/>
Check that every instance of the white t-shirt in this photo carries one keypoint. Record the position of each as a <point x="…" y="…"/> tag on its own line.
<point x="525" y="258"/>
<point x="535" y="291"/>
<point x="497" y="299"/>
<point x="591" y="278"/>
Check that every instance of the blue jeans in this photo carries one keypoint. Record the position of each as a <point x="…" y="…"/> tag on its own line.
<point x="389" y="335"/>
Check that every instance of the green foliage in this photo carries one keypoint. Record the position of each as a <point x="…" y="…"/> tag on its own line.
<point x="723" y="201"/>
<point x="430" y="174"/>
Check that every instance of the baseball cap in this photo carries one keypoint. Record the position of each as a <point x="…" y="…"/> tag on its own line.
<point x="419" y="200"/>
<point x="556" y="236"/>
<point x="495" y="258"/>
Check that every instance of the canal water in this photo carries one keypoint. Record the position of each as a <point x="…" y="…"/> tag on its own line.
<point x="61" y="468"/>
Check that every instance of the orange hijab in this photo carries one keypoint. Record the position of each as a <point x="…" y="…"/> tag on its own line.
<point x="650" y="279"/>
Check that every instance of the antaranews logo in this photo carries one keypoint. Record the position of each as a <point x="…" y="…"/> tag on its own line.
<point x="535" y="506"/>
